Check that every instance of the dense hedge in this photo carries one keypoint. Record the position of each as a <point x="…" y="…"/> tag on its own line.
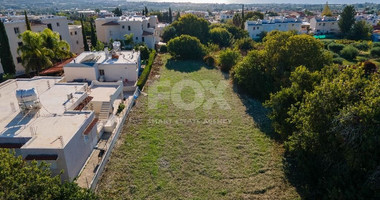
<point x="186" y="47"/>
<point x="145" y="74"/>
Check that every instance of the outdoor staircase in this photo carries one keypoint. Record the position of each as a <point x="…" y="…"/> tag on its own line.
<point x="104" y="111"/>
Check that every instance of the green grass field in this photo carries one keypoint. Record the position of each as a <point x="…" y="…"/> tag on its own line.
<point x="173" y="153"/>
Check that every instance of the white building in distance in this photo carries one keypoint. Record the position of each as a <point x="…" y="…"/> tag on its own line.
<point x="15" y="25"/>
<point x="105" y="66"/>
<point x="143" y="29"/>
<point x="45" y="119"/>
<point x="370" y="19"/>
<point x="324" y="25"/>
<point x="255" y="28"/>
<point x="76" y="38"/>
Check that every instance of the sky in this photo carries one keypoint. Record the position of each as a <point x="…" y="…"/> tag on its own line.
<point x="271" y="1"/>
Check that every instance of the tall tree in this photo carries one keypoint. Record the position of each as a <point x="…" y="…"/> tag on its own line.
<point x="86" y="48"/>
<point x="5" y="52"/>
<point x="326" y="10"/>
<point x="27" y="21"/>
<point x="242" y="17"/>
<point x="237" y="20"/>
<point x="34" y="55"/>
<point x="347" y="20"/>
<point x="93" y="35"/>
<point x="146" y="10"/>
<point x="177" y="16"/>
<point x="52" y="41"/>
<point x="361" y="31"/>
<point x="170" y="15"/>
<point x="118" y="12"/>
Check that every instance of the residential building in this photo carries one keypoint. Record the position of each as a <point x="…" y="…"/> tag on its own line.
<point x="105" y="66"/>
<point x="46" y="119"/>
<point x="15" y="25"/>
<point x="226" y="15"/>
<point x="255" y="28"/>
<point x="324" y="25"/>
<point x="76" y="37"/>
<point x="370" y="19"/>
<point x="144" y="29"/>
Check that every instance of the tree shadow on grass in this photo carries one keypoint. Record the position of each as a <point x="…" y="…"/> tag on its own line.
<point x="259" y="113"/>
<point x="186" y="66"/>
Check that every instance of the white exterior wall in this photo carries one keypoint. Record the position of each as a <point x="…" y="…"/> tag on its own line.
<point x="79" y="72"/>
<point x="62" y="29"/>
<point x="75" y="160"/>
<point x="254" y="29"/>
<point x="127" y="26"/>
<point x="323" y="27"/>
<point x="117" y="72"/>
<point x="76" y="38"/>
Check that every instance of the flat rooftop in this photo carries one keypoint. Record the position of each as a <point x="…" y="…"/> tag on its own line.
<point x="103" y="93"/>
<point x="48" y="127"/>
<point x="91" y="58"/>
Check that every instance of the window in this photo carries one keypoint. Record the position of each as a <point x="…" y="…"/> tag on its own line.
<point x="148" y="25"/>
<point x="71" y="33"/>
<point x="324" y="24"/>
<point x="77" y="42"/>
<point x="76" y="33"/>
<point x="292" y="24"/>
<point x="332" y="23"/>
<point x="19" y="60"/>
<point x="137" y="38"/>
<point x="60" y="37"/>
<point x="50" y="27"/>
<point x="320" y="24"/>
<point x="123" y="27"/>
<point x="254" y="28"/>
<point x="20" y="44"/>
<point x="143" y="39"/>
<point x="57" y="23"/>
<point x="17" y="30"/>
<point x="129" y="28"/>
<point x="258" y="28"/>
<point x="101" y="72"/>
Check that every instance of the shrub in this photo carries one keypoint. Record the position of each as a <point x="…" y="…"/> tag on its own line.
<point x="363" y="46"/>
<point x="369" y="67"/>
<point x="120" y="108"/>
<point x="220" y="36"/>
<point x="376" y="44"/>
<point x="186" y="47"/>
<point x="335" y="55"/>
<point x="336" y="48"/>
<point x="361" y="59"/>
<point x="375" y="52"/>
<point x="209" y="60"/>
<point x="212" y="47"/>
<point x="338" y="60"/>
<point x="349" y="52"/>
<point x="145" y="74"/>
<point x="144" y="52"/>
<point x="164" y="49"/>
<point x="245" y="44"/>
<point x="228" y="58"/>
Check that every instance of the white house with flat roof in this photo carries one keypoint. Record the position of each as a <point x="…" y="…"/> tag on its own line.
<point x="105" y="66"/>
<point x="15" y="25"/>
<point x="45" y="119"/>
<point x="144" y="29"/>
<point x="324" y="25"/>
<point x="255" y="28"/>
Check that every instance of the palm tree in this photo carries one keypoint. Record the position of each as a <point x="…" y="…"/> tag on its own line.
<point x="52" y="41"/>
<point x="35" y="56"/>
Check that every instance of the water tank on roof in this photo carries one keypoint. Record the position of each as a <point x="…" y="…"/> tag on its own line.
<point x="28" y="99"/>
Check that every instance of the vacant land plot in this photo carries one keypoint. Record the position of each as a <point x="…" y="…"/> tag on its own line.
<point x="172" y="152"/>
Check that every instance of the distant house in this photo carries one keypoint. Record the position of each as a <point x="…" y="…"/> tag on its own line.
<point x="15" y="25"/>
<point x="76" y="38"/>
<point x="324" y="25"/>
<point x="105" y="66"/>
<point x="144" y="29"/>
<point x="255" y="28"/>
<point x="370" y="19"/>
<point x="226" y="15"/>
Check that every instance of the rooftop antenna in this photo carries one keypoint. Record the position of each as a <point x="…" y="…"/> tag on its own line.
<point x="48" y="84"/>
<point x="61" y="139"/>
